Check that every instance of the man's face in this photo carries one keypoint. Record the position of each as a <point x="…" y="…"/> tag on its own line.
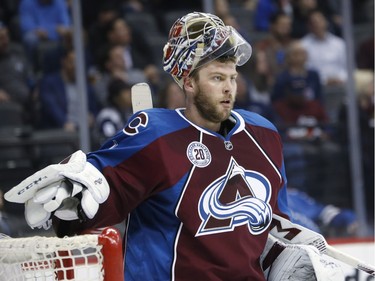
<point x="121" y="33"/>
<point x="215" y="90"/>
<point x="318" y="23"/>
<point x="297" y="55"/>
<point x="282" y="27"/>
<point x="116" y="59"/>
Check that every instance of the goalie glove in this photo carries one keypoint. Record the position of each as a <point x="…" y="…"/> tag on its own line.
<point x="287" y="262"/>
<point x="71" y="189"/>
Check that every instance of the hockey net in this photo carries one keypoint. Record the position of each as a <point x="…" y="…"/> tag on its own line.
<point x="88" y="257"/>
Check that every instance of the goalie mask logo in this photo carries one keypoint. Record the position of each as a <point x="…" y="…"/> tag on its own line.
<point x="240" y="197"/>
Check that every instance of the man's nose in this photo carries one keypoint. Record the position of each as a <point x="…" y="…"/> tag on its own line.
<point x="228" y="86"/>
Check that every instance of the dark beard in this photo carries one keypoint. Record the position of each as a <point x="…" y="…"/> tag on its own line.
<point x="208" y="110"/>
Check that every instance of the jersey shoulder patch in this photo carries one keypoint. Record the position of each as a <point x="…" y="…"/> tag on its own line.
<point x="156" y="121"/>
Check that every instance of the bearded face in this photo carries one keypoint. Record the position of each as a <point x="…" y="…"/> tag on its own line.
<point x="209" y="106"/>
<point x="214" y="91"/>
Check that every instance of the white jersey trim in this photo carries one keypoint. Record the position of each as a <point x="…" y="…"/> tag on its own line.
<point x="238" y="118"/>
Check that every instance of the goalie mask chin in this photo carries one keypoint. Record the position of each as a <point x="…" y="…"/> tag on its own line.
<point x="199" y="38"/>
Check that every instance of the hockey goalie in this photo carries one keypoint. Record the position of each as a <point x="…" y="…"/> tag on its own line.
<point x="197" y="187"/>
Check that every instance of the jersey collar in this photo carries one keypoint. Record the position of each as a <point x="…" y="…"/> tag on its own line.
<point x="238" y="127"/>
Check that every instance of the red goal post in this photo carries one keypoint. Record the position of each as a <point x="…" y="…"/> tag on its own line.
<point x="94" y="256"/>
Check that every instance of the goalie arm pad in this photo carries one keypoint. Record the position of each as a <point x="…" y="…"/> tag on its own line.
<point x="62" y="189"/>
<point x="282" y="262"/>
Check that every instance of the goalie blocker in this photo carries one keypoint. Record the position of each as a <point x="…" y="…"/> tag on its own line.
<point x="72" y="189"/>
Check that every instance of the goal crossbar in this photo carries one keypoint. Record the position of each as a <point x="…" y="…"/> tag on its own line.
<point x="89" y="257"/>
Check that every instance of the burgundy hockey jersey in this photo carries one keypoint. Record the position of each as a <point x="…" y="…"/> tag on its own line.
<point x="197" y="205"/>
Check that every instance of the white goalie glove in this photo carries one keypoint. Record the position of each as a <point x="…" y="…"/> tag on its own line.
<point x="72" y="189"/>
<point x="287" y="262"/>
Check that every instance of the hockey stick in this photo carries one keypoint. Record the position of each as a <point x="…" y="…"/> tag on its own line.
<point x="141" y="97"/>
<point x="291" y="233"/>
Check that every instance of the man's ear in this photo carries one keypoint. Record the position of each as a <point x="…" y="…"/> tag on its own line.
<point x="189" y="84"/>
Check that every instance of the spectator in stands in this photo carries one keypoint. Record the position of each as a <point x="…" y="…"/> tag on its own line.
<point x="263" y="12"/>
<point x="92" y="8"/>
<point x="266" y="9"/>
<point x="302" y="120"/>
<point x="137" y="52"/>
<point x="326" y="52"/>
<point x="43" y="20"/>
<point x="296" y="96"/>
<point x="134" y="6"/>
<point x="171" y="96"/>
<point x="113" y="65"/>
<point x="231" y="20"/>
<point x="243" y="92"/>
<point x="274" y="45"/>
<point x="16" y="77"/>
<point x="107" y="11"/>
<point x="302" y="9"/>
<point x="221" y="8"/>
<point x="249" y="97"/>
<point x="296" y="71"/>
<point x="59" y="97"/>
<point x="113" y="117"/>
<point x="364" y="80"/>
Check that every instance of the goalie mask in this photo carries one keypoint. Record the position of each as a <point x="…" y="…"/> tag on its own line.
<point x="198" y="38"/>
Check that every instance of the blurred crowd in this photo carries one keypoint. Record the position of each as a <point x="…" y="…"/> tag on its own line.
<point x="296" y="78"/>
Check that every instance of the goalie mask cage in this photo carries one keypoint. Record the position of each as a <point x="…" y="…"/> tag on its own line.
<point x="89" y="257"/>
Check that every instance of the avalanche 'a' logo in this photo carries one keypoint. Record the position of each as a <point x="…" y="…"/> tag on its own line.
<point x="240" y="197"/>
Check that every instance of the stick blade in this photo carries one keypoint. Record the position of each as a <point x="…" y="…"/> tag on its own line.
<point x="141" y="97"/>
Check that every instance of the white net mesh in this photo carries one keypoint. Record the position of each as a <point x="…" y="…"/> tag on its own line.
<point x="51" y="258"/>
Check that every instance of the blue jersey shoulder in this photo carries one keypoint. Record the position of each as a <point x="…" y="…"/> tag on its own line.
<point x="163" y="120"/>
<point x="142" y="128"/>
<point x="145" y="126"/>
<point x="256" y="119"/>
